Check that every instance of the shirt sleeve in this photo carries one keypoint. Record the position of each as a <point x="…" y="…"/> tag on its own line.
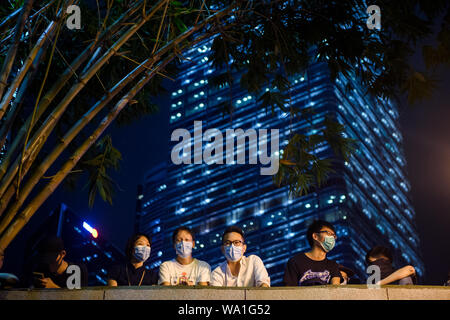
<point x="113" y="272"/>
<point x="260" y="272"/>
<point x="334" y="272"/>
<point x="205" y="272"/>
<point x="291" y="274"/>
<point x="217" y="278"/>
<point x="164" y="272"/>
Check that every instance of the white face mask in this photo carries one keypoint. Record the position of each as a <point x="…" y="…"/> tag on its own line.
<point x="233" y="253"/>
<point x="184" y="249"/>
<point x="142" y="253"/>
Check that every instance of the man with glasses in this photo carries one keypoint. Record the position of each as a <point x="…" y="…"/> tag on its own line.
<point x="238" y="270"/>
<point x="313" y="268"/>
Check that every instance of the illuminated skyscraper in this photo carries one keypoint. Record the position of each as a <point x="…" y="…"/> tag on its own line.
<point x="367" y="198"/>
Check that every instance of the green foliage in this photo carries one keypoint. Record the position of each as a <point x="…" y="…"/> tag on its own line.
<point x="136" y="110"/>
<point x="103" y="158"/>
<point x="300" y="167"/>
<point x="273" y="99"/>
<point x="419" y="86"/>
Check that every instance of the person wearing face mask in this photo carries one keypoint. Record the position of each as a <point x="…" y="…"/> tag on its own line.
<point x="51" y="269"/>
<point x="184" y="269"/>
<point x="134" y="272"/>
<point x="383" y="258"/>
<point x="313" y="267"/>
<point x="238" y="270"/>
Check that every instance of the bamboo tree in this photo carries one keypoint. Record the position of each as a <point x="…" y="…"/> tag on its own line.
<point x="31" y="208"/>
<point x="49" y="160"/>
<point x="41" y="135"/>
<point x="59" y="84"/>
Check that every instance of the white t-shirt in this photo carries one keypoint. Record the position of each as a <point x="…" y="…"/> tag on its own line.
<point x="252" y="273"/>
<point x="175" y="273"/>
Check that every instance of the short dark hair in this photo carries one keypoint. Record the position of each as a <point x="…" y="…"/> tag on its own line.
<point x="132" y="240"/>
<point x="182" y="228"/>
<point x="51" y="244"/>
<point x="378" y="252"/>
<point x="233" y="229"/>
<point x="316" y="226"/>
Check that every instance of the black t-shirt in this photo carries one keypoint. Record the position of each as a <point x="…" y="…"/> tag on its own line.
<point x="303" y="271"/>
<point x="61" y="279"/>
<point x="119" y="273"/>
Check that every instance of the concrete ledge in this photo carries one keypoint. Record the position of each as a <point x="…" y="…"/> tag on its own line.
<point x="425" y="293"/>
<point x="170" y="293"/>
<point x="350" y="292"/>
<point x="52" y="294"/>
<point x="318" y="293"/>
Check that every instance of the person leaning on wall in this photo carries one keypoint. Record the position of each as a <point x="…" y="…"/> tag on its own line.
<point x="52" y="270"/>
<point x="184" y="269"/>
<point x="239" y="270"/>
<point x="312" y="267"/>
<point x="133" y="272"/>
<point x="382" y="257"/>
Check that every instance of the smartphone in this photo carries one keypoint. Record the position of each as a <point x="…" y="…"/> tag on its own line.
<point x="38" y="275"/>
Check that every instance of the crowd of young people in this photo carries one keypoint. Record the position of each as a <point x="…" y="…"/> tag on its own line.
<point x="237" y="270"/>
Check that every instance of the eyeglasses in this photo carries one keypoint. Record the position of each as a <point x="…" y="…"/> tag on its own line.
<point x="328" y="233"/>
<point x="181" y="240"/>
<point x="236" y="243"/>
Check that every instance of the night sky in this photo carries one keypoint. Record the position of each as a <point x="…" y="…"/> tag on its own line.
<point x="426" y="133"/>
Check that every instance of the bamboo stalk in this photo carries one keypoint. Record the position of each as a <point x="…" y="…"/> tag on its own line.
<point x="10" y="57"/>
<point x="29" y="60"/>
<point x="58" y="85"/>
<point x="48" y="33"/>
<point x="26" y="66"/>
<point x="17" y="103"/>
<point x="6" y="21"/>
<point x="19" y="178"/>
<point x="40" y="11"/>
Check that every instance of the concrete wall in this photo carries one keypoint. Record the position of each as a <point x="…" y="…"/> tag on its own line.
<point x="351" y="292"/>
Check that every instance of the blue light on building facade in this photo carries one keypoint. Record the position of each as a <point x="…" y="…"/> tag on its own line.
<point x="367" y="198"/>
